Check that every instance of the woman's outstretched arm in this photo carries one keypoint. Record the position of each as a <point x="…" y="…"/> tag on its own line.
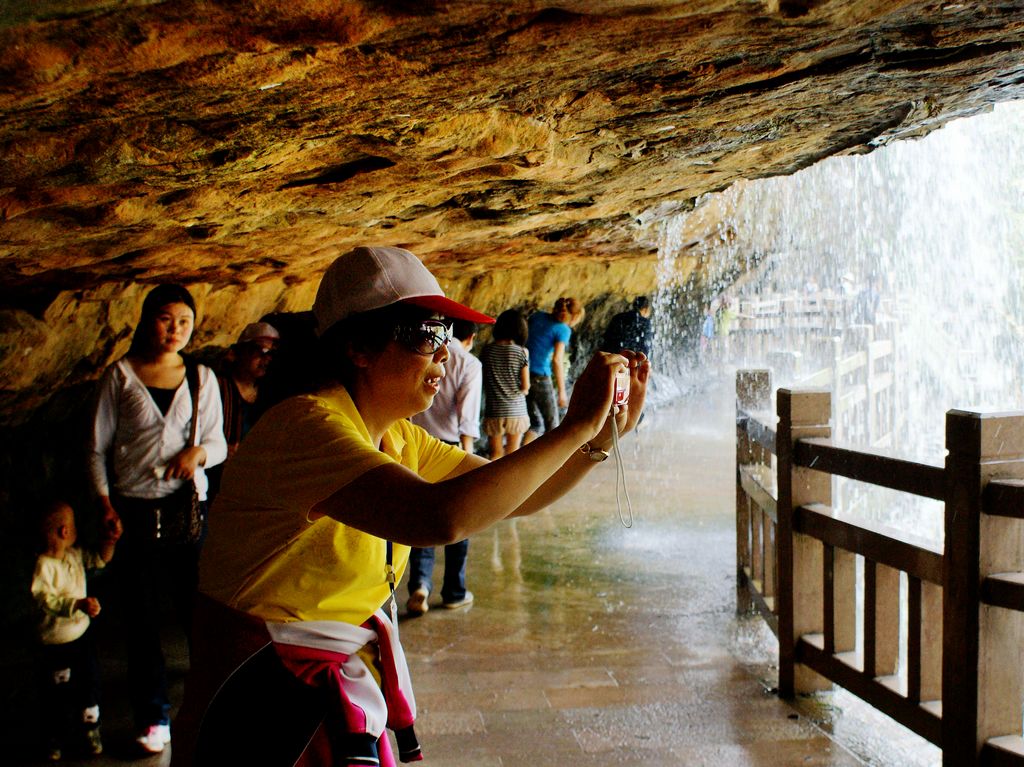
<point x="393" y="502"/>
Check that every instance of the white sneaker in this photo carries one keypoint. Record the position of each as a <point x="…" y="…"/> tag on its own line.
<point x="466" y="601"/>
<point x="155" y="737"/>
<point x="417" y="604"/>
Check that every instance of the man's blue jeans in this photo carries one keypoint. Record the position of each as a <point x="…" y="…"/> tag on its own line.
<point x="421" y="571"/>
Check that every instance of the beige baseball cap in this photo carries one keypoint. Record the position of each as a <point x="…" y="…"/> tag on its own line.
<point x="260" y="332"/>
<point x="368" y="278"/>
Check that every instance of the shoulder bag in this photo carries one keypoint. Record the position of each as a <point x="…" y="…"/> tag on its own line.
<point x="180" y="515"/>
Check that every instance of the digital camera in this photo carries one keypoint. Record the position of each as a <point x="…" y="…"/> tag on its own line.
<point x="621" y="394"/>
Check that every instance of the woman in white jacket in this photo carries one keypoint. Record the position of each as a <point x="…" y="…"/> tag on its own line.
<point x="141" y="455"/>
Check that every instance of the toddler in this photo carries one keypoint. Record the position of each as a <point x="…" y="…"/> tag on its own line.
<point x="68" y="659"/>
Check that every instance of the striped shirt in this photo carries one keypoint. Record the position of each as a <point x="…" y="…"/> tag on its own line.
<point x="503" y="365"/>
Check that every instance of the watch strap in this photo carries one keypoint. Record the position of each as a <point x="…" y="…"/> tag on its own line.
<point x="593" y="453"/>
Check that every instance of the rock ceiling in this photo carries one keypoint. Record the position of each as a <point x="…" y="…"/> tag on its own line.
<point x="239" y="145"/>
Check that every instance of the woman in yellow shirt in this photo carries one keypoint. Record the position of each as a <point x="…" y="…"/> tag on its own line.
<point x="320" y="505"/>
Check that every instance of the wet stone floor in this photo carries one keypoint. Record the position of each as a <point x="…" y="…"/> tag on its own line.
<point x="593" y="643"/>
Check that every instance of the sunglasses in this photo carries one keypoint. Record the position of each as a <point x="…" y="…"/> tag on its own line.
<point x="426" y="338"/>
<point x="260" y="351"/>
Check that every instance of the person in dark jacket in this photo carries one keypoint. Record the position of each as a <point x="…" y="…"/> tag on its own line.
<point x="246" y="366"/>
<point x="631" y="329"/>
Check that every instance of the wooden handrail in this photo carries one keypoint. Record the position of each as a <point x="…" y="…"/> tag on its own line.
<point x="916" y="717"/>
<point x="852" y="362"/>
<point x="1004" y="498"/>
<point x="879" y="349"/>
<point x="876" y="467"/>
<point x="756" y="515"/>
<point x="962" y="658"/>
<point x="1004" y="590"/>
<point x="877" y="543"/>
<point x="757" y="428"/>
<point x="754" y="484"/>
<point x="1006" y="751"/>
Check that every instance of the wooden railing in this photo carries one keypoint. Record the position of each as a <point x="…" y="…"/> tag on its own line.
<point x="822" y="340"/>
<point x="861" y="383"/>
<point x="962" y="680"/>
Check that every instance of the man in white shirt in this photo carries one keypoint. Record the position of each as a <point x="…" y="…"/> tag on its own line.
<point x="454" y="417"/>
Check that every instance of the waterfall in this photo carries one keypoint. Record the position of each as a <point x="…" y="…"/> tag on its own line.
<point x="935" y="225"/>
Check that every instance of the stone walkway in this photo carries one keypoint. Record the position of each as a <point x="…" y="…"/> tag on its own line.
<point x="593" y="643"/>
<point x="590" y="643"/>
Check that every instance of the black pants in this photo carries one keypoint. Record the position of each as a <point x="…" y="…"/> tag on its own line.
<point x="143" y="573"/>
<point x="69" y="678"/>
<point x="261" y="697"/>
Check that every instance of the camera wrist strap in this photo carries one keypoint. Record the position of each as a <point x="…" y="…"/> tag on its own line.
<point x="620" y="479"/>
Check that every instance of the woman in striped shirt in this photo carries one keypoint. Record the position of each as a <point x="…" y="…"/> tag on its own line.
<point x="506" y="367"/>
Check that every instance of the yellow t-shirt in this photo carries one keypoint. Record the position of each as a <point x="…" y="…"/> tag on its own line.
<point x="263" y="557"/>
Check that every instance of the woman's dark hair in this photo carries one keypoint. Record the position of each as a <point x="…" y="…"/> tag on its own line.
<point x="510" y="326"/>
<point x="304" y="363"/>
<point x="155" y="300"/>
<point x="367" y="332"/>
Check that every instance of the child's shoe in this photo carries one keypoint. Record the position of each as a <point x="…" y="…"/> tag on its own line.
<point x="93" y="741"/>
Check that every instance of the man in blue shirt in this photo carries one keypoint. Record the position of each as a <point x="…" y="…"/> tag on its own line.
<point x="549" y="334"/>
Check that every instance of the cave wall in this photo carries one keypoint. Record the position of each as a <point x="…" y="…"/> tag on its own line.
<point x="81" y="332"/>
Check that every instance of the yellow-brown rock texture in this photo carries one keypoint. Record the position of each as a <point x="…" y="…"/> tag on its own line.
<point x="521" y="148"/>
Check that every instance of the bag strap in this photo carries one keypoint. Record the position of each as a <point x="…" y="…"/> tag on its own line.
<point x="192" y="376"/>
<point x="389" y="568"/>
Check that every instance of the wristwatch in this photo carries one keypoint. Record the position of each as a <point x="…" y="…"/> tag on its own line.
<point x="593" y="453"/>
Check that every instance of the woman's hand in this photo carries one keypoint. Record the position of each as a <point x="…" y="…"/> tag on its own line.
<point x="111" y="529"/>
<point x="592" y="394"/>
<point x="185" y="463"/>
<point x="110" y="520"/>
<point x="626" y="416"/>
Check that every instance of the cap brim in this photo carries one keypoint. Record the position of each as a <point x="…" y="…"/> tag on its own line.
<point x="261" y="340"/>
<point x="449" y="308"/>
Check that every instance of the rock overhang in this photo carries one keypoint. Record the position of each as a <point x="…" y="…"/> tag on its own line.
<point x="516" y="147"/>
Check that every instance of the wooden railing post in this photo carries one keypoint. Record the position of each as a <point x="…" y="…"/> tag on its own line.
<point x="928" y="640"/>
<point x="981" y="670"/>
<point x="802" y="414"/>
<point x="753" y="392"/>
